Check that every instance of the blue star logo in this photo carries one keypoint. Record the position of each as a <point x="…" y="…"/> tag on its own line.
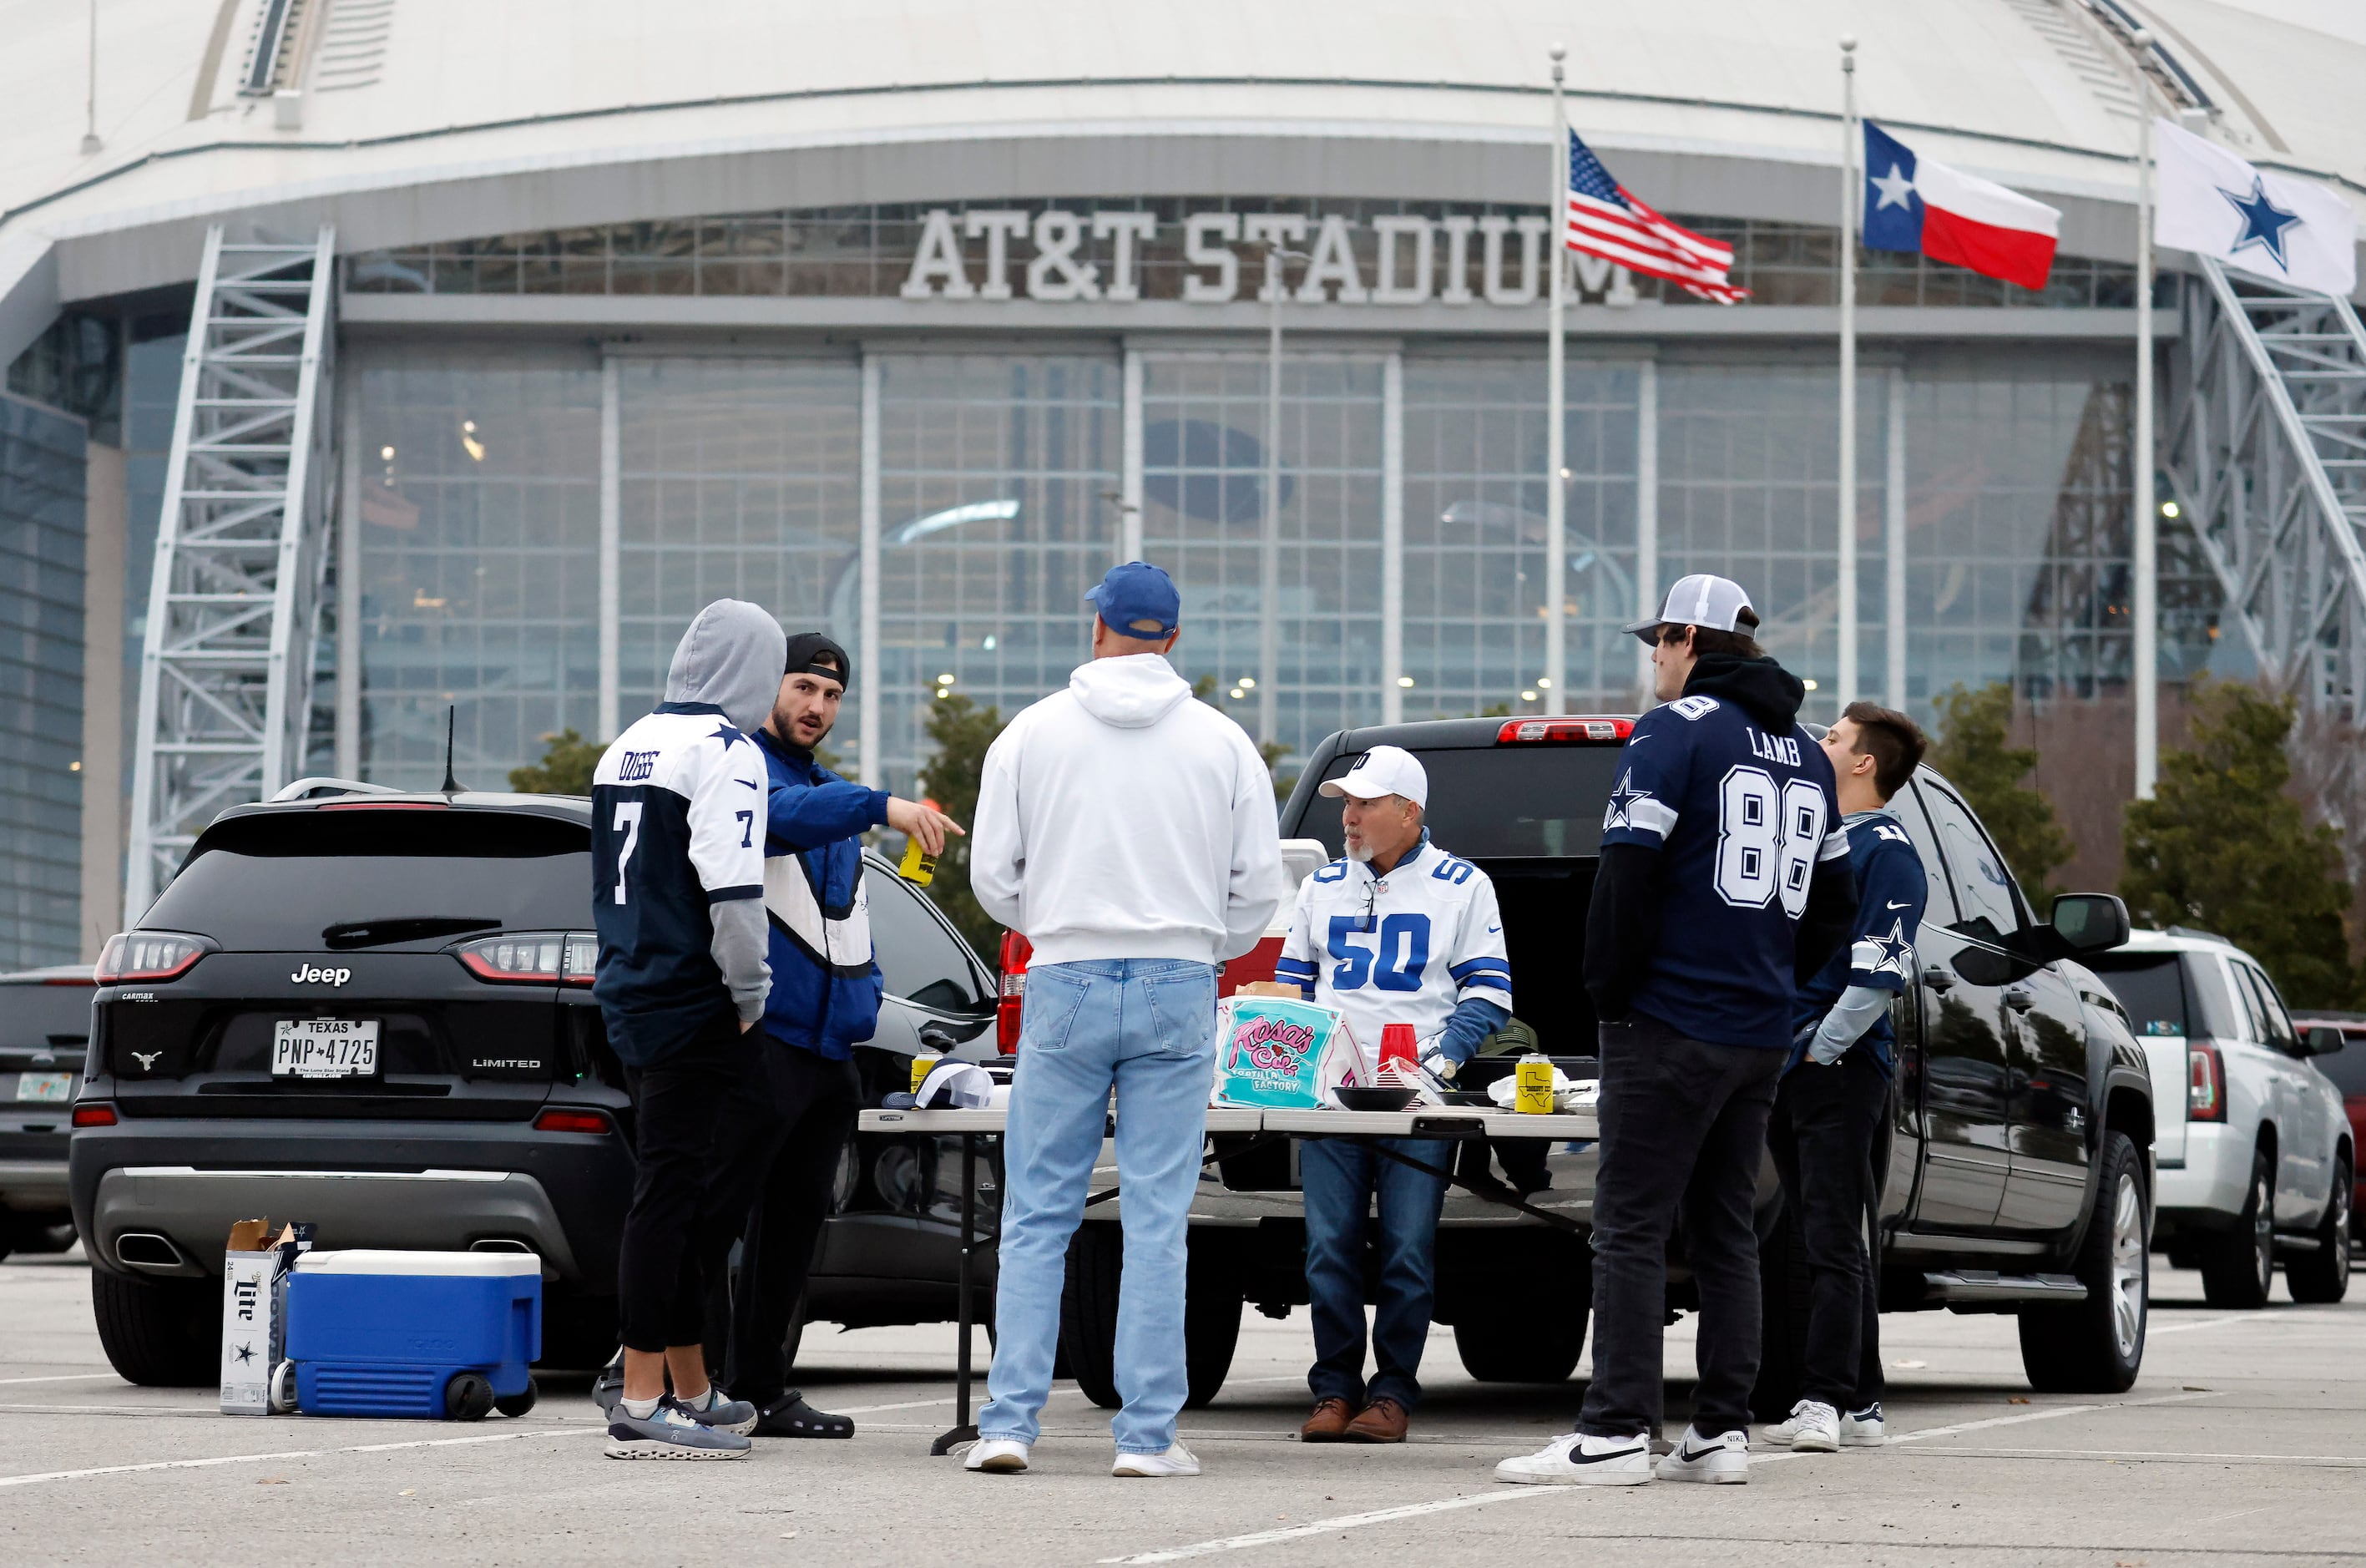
<point x="728" y="736"/>
<point x="2263" y="222"/>
<point x="1623" y="801"/>
<point x="245" y="1353"/>
<point x="1891" y="954"/>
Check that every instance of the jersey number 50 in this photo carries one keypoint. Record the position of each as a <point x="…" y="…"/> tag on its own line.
<point x="1767" y="839"/>
<point x="1403" y="953"/>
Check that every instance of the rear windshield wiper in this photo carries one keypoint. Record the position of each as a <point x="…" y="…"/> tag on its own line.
<point x="406" y="928"/>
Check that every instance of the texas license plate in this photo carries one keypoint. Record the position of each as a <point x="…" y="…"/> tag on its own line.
<point x="49" y="1088"/>
<point x="323" y="1048"/>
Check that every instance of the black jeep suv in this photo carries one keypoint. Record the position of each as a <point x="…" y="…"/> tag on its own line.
<point x="373" y="1011"/>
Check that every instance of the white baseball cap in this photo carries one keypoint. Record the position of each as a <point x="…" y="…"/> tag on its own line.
<point x="1384" y="769"/>
<point x="1700" y="600"/>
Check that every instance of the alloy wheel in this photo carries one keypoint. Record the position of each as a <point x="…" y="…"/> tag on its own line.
<point x="2263" y="1231"/>
<point x="2127" y="1266"/>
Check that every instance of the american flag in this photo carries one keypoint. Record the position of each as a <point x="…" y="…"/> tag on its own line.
<point x="1605" y="220"/>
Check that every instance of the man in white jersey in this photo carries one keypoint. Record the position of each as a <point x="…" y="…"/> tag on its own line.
<point x="1395" y="931"/>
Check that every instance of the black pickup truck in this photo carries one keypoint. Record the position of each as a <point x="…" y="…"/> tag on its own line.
<point x="2016" y="1161"/>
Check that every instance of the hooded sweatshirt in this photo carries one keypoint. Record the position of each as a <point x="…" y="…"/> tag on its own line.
<point x="677" y="842"/>
<point x="1121" y="820"/>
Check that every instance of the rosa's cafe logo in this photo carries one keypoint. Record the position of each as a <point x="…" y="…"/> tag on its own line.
<point x="1274" y="1046"/>
<point x="312" y="974"/>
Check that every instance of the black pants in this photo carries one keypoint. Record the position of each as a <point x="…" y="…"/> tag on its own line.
<point x="676" y="1102"/>
<point x="1825" y="1119"/>
<point x="777" y="1148"/>
<point x="1683" y="1124"/>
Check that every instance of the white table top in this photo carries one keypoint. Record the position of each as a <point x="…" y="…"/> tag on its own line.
<point x="1438" y="1120"/>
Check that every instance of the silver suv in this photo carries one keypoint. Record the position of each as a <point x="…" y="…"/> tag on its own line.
<point x="2255" y="1154"/>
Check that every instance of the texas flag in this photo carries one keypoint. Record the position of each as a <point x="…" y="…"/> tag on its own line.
<point x="1919" y="204"/>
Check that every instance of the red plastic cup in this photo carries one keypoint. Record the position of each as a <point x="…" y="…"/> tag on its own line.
<point x="1397" y="1043"/>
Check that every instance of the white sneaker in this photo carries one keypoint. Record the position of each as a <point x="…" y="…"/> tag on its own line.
<point x="1813" y="1427"/>
<point x="996" y="1456"/>
<point x="1570" y="1460"/>
<point x="1724" y="1460"/>
<point x="1864" y="1428"/>
<point x="1174" y="1460"/>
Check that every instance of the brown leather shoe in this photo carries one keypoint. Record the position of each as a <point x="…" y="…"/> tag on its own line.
<point x="1383" y="1421"/>
<point x="1328" y="1423"/>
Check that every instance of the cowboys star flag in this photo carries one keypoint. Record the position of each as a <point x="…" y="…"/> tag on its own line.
<point x="1601" y="218"/>
<point x="1919" y="204"/>
<point x="2270" y="225"/>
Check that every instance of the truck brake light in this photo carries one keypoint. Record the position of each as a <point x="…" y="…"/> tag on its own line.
<point x="1567" y="731"/>
<point x="1016" y="951"/>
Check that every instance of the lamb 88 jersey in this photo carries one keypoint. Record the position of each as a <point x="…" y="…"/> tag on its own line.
<point x="1741" y="818"/>
<point x="678" y="807"/>
<point x="1404" y="948"/>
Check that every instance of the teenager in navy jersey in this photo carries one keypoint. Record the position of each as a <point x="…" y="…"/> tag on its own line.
<point x="1724" y="875"/>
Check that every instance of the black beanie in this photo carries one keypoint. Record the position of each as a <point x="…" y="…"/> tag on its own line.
<point x="813" y="653"/>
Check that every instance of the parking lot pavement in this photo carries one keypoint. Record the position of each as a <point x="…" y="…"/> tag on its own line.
<point x="2245" y="1441"/>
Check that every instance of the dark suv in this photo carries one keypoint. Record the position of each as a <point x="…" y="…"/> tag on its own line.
<point x="373" y="1011"/>
<point x="44" y="1026"/>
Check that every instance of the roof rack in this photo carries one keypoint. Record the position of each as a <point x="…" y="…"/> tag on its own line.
<point x="306" y="788"/>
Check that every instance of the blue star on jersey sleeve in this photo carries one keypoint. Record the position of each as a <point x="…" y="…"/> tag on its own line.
<point x="1652" y="772"/>
<point x="1891" y="891"/>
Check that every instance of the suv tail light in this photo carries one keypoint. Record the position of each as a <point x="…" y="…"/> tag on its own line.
<point x="149" y="955"/>
<point x="1582" y="731"/>
<point x="97" y="1113"/>
<point x="1016" y="951"/>
<point x="2206" y="1083"/>
<point x="532" y="958"/>
<point x="556" y="1121"/>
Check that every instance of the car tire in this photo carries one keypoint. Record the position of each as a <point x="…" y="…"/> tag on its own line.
<point x="1783" y="1292"/>
<point x="2324" y="1275"/>
<point x="1541" y="1344"/>
<point x="2238" y="1266"/>
<point x="2096" y="1345"/>
<point x="158" y="1332"/>
<point x="1088" y="1305"/>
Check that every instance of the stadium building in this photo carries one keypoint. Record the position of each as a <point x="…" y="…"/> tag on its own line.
<point x="458" y="353"/>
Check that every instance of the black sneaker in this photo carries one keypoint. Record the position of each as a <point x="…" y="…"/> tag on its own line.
<point x="791" y="1416"/>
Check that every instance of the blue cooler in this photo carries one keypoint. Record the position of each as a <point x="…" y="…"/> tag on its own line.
<point x="434" y="1334"/>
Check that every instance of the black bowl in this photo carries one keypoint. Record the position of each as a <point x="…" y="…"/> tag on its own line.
<point x="1377" y="1098"/>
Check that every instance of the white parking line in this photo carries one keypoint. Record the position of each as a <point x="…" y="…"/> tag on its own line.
<point x="1513" y="1495"/>
<point x="68" y="1377"/>
<point x="2273" y="1314"/>
<point x="287" y="1454"/>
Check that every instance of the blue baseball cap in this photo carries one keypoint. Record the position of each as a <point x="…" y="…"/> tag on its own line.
<point x="1138" y="600"/>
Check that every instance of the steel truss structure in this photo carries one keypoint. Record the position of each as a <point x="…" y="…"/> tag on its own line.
<point x="2266" y="454"/>
<point x="242" y="551"/>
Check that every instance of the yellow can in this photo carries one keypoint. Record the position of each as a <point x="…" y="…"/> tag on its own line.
<point x="919" y="867"/>
<point x="920" y="1066"/>
<point x="1534" y="1079"/>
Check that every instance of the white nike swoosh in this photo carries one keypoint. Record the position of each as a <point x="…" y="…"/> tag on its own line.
<point x="1899" y="905"/>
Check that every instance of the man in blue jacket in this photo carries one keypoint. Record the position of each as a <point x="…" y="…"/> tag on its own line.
<point x="781" y="1141"/>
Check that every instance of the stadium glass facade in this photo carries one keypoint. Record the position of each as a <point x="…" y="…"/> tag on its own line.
<point x="42" y="484"/>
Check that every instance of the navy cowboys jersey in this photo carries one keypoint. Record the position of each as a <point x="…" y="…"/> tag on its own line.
<point x="677" y="827"/>
<point x="1404" y="948"/>
<point x="1891" y="890"/>
<point x="1740" y="817"/>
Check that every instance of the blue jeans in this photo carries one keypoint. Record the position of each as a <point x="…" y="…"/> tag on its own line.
<point x="1147" y="1026"/>
<point x="1339" y="1178"/>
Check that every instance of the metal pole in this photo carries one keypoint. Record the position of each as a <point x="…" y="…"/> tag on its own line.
<point x="1845" y="611"/>
<point x="349" y="582"/>
<point x="1556" y="457"/>
<point x="1392" y="669"/>
<point x="871" y="738"/>
<point x="611" y="548"/>
<point x="2145" y="675"/>
<point x="1647" y="514"/>
<point x="90" y="142"/>
<point x="1269" y="536"/>
<point x="1893" y="553"/>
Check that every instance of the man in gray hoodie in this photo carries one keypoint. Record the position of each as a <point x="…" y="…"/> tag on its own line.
<point x="1128" y="832"/>
<point x="677" y="895"/>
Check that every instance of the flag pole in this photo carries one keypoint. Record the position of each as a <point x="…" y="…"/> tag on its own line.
<point x="1555" y="488"/>
<point x="1845" y="611"/>
<point x="2145" y="675"/>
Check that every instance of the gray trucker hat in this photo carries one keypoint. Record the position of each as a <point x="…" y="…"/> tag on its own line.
<point x="1700" y="600"/>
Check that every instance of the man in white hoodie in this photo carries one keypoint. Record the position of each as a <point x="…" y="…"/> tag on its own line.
<point x="1128" y="832"/>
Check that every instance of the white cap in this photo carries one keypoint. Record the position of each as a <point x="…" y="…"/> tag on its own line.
<point x="1700" y="600"/>
<point x="1384" y="769"/>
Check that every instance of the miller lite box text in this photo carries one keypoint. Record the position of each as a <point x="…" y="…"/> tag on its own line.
<point x="254" y="1311"/>
<point x="1281" y="1054"/>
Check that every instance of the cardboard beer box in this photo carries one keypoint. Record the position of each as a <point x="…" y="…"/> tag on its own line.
<point x="1276" y="1054"/>
<point x="254" y="1311"/>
